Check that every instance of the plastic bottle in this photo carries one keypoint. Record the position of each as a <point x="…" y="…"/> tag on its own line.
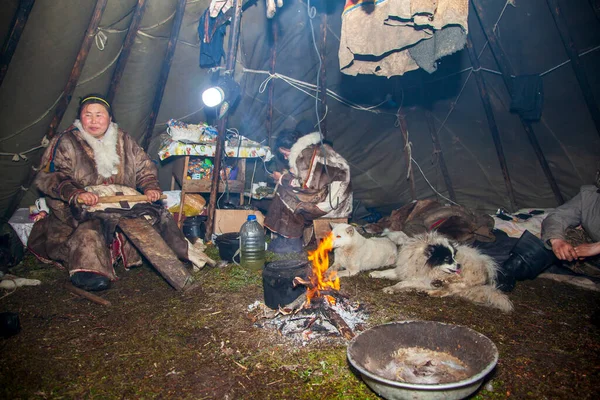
<point x="252" y="238"/>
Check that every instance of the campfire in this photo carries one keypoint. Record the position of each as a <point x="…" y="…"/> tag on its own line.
<point x="320" y="311"/>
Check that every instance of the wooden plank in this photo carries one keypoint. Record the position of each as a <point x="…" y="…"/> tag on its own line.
<point x="17" y="27"/>
<point x="164" y="73"/>
<point x="134" y="26"/>
<point x="487" y="106"/>
<point x="584" y="85"/>
<point x="149" y="242"/>
<point x="507" y="73"/>
<point x="234" y="37"/>
<point x="407" y="155"/>
<point x="205" y="186"/>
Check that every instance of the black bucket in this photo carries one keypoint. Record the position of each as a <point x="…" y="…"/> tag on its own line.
<point x="194" y="227"/>
<point x="277" y="281"/>
<point x="228" y="244"/>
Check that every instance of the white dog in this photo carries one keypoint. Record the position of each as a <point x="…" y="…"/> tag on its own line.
<point x="432" y="264"/>
<point x="356" y="253"/>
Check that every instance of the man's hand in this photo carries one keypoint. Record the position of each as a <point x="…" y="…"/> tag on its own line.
<point x="563" y="250"/>
<point x="89" y="199"/>
<point x="152" y="195"/>
<point x="276" y="176"/>
<point x="588" y="250"/>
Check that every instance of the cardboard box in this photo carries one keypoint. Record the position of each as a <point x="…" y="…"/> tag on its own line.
<point x="323" y="227"/>
<point x="232" y="220"/>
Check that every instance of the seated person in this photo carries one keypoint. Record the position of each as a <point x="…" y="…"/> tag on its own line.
<point x="584" y="210"/>
<point x="317" y="185"/>
<point x="531" y="256"/>
<point x="93" y="151"/>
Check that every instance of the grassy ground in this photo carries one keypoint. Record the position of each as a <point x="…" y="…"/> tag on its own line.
<point x="153" y="342"/>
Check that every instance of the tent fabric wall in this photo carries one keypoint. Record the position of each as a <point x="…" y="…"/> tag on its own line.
<point x="370" y="141"/>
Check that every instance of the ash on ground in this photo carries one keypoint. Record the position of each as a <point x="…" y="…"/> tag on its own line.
<point x="310" y="323"/>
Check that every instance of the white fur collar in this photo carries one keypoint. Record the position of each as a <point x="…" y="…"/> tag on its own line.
<point x="105" y="150"/>
<point x="301" y="144"/>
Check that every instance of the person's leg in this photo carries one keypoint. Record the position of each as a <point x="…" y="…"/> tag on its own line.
<point x="88" y="258"/>
<point x="528" y="258"/>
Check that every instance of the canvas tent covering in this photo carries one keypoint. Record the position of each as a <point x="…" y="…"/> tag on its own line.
<point x="368" y="137"/>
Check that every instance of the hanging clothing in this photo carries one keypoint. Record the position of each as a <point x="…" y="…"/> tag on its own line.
<point x="211" y="41"/>
<point x="377" y="34"/>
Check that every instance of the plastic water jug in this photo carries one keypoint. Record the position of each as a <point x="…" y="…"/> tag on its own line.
<point x="252" y="238"/>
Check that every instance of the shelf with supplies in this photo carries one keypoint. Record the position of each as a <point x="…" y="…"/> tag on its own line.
<point x="194" y="146"/>
<point x="184" y="177"/>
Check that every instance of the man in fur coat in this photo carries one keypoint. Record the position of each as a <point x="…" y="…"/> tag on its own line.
<point x="316" y="185"/>
<point x="93" y="151"/>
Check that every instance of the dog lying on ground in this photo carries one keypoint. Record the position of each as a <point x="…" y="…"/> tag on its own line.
<point x="431" y="263"/>
<point x="355" y="253"/>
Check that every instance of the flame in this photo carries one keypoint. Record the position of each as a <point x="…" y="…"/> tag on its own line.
<point x="320" y="263"/>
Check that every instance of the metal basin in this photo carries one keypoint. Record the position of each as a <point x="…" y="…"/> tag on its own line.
<point x="374" y="350"/>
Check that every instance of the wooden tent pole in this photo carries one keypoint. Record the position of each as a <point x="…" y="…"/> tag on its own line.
<point x="437" y="148"/>
<point x="487" y="106"/>
<point x="164" y="73"/>
<point x="234" y="36"/>
<point x="323" y="75"/>
<point x="134" y="26"/>
<point x="275" y="36"/>
<point x="595" y="4"/>
<point x="84" y="50"/>
<point x="507" y="72"/>
<point x="17" y="27"/>
<point x="65" y="99"/>
<point x="407" y="154"/>
<point x="578" y="68"/>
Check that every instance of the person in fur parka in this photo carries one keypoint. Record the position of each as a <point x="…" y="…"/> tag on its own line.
<point x="93" y="151"/>
<point x="316" y="185"/>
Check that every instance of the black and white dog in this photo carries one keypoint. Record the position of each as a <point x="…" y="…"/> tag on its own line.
<point x="431" y="263"/>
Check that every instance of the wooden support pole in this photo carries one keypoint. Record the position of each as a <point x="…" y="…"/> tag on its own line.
<point x="273" y="60"/>
<point x="17" y="27"/>
<point x="134" y="26"/>
<point x="595" y="4"/>
<point x="407" y="155"/>
<point x="578" y="68"/>
<point x="323" y="75"/>
<point x="87" y="295"/>
<point x="65" y="99"/>
<point x="164" y="73"/>
<point x="487" y="106"/>
<point x="84" y="50"/>
<point x="437" y="148"/>
<point x="507" y="73"/>
<point x="234" y="36"/>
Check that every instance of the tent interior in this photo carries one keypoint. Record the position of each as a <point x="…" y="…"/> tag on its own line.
<point x="363" y="128"/>
<point x="447" y="135"/>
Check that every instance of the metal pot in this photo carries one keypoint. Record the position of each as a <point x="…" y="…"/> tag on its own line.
<point x="277" y="281"/>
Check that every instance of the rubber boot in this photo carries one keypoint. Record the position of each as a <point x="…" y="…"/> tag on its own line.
<point x="90" y="281"/>
<point x="528" y="258"/>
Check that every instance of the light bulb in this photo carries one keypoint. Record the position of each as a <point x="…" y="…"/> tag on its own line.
<point x="213" y="96"/>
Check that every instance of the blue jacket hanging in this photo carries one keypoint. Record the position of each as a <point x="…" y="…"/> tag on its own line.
<point x="211" y="41"/>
